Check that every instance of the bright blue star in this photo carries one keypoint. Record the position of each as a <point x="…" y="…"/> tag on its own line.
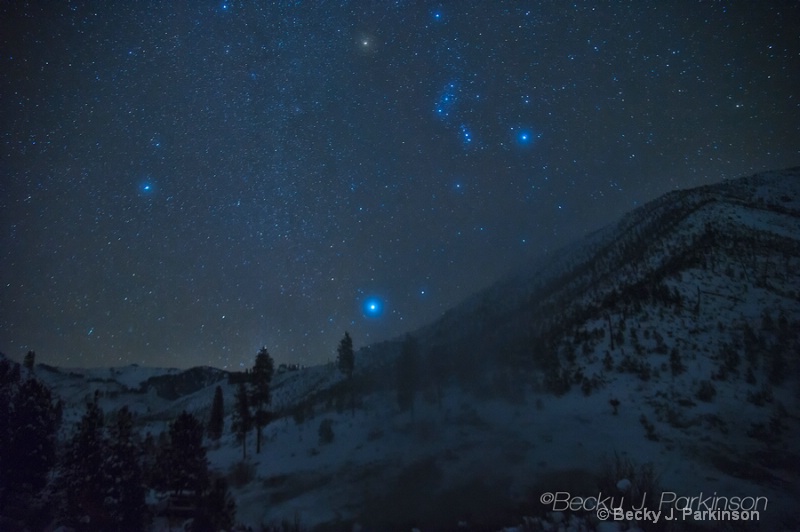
<point x="373" y="307"/>
<point x="525" y="136"/>
<point x="146" y="188"/>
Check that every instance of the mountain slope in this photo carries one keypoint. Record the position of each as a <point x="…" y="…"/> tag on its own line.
<point x="669" y="338"/>
<point x="685" y="314"/>
<point x="750" y="225"/>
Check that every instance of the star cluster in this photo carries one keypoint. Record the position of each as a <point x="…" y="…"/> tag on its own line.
<point x="184" y="183"/>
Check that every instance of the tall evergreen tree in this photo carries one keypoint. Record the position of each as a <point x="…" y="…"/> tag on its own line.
<point x="407" y="373"/>
<point x="216" y="422"/>
<point x="9" y="383"/>
<point x="148" y="453"/>
<point x="188" y="466"/>
<point x="125" y="499"/>
<point x="345" y="359"/>
<point x="30" y="360"/>
<point x="157" y="467"/>
<point x="242" y="419"/>
<point x="83" y="482"/>
<point x="29" y="420"/>
<point x="261" y="380"/>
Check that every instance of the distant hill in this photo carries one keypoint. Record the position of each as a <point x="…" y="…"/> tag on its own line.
<point x="171" y="387"/>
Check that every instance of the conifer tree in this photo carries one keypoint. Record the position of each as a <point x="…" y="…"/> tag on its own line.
<point x="30" y="360"/>
<point x="148" y="452"/>
<point x="158" y="466"/>
<point x="188" y="466"/>
<point x="242" y="419"/>
<point x="29" y="421"/>
<point x="216" y="421"/>
<point x="345" y="360"/>
<point x="32" y="445"/>
<point x="261" y="379"/>
<point x="83" y="482"/>
<point x="125" y="499"/>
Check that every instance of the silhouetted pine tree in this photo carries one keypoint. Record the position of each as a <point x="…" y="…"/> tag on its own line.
<point x="346" y="361"/>
<point x="29" y="420"/>
<point x="188" y="467"/>
<point x="30" y="360"/>
<point x="148" y="452"/>
<point x="216" y="422"/>
<point x="83" y="483"/>
<point x="261" y="379"/>
<point x="125" y="500"/>
<point x="345" y="358"/>
<point x="157" y="467"/>
<point x="242" y="419"/>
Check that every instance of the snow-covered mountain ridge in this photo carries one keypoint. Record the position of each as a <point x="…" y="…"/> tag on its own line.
<point x="760" y="212"/>
<point x="670" y="338"/>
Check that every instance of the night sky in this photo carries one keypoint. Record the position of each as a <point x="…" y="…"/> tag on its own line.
<point x="184" y="182"/>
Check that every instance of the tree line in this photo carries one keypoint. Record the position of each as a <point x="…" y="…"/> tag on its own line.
<point x="98" y="477"/>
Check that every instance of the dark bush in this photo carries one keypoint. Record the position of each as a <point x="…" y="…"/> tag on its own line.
<point x="706" y="391"/>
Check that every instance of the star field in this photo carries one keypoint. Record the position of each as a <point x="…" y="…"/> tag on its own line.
<point x="182" y="184"/>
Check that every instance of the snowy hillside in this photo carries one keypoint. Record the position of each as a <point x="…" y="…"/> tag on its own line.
<point x="662" y="350"/>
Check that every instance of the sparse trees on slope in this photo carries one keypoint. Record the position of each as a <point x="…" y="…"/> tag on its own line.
<point x="216" y="421"/>
<point x="261" y="396"/>
<point x="242" y="419"/>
